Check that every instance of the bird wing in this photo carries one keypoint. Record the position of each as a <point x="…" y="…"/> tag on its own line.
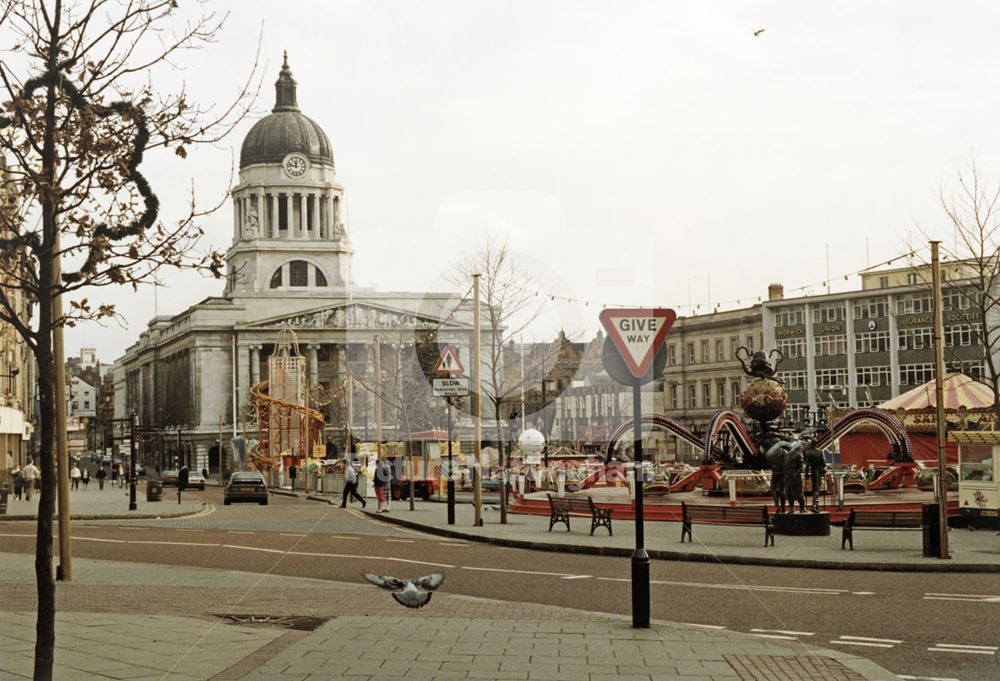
<point x="412" y="598"/>
<point x="430" y="582"/>
<point x="384" y="582"/>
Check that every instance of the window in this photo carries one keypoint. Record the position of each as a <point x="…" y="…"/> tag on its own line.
<point x="875" y="341"/>
<point x="690" y="353"/>
<point x="720" y="387"/>
<point x="830" y="345"/>
<point x="705" y="359"/>
<point x="86" y="404"/>
<point x="734" y="344"/>
<point x="960" y="334"/>
<point x="673" y="397"/>
<point x="298" y="273"/>
<point x="789" y="316"/>
<point x="76" y="405"/>
<point x="792" y="347"/>
<point x="874" y="377"/>
<point x="276" y="278"/>
<point x="977" y="463"/>
<point x="750" y="345"/>
<point x="871" y="309"/>
<point x="914" y="303"/>
<point x="706" y="394"/>
<point x="827" y="379"/>
<point x="915" y="374"/>
<point x="916" y="338"/>
<point x="320" y="278"/>
<point x="830" y="312"/>
<point x="692" y="396"/>
<point x="734" y="389"/>
<point x="795" y="380"/>
<point x="672" y="354"/>
<point x="720" y="351"/>
<point x="883" y="282"/>
<point x="911" y="278"/>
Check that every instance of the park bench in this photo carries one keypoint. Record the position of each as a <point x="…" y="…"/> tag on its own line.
<point x="879" y="520"/>
<point x="726" y="515"/>
<point x="564" y="507"/>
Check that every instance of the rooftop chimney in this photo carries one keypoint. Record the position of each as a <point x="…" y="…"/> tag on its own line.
<point x="775" y="292"/>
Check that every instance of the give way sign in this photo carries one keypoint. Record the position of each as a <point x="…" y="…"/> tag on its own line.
<point x="637" y="333"/>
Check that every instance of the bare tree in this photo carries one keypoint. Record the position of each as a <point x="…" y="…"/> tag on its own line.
<point x="81" y="111"/>
<point x="511" y="303"/>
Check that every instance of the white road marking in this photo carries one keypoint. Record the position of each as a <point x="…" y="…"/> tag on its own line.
<point x="783" y="631"/>
<point x="964" y="598"/>
<point x="291" y="534"/>
<point x="186" y="529"/>
<point x="240" y="532"/>
<point x="703" y="626"/>
<point x="863" y="593"/>
<point x="862" y="643"/>
<point x="778" y="636"/>
<point x="517" y="572"/>
<point x="959" y="645"/>
<point x="445" y="543"/>
<point x="740" y="587"/>
<point x="578" y="577"/>
<point x="869" y="638"/>
<point x="962" y="650"/>
<point x="341" y="536"/>
<point x="403" y="541"/>
<point x="927" y="678"/>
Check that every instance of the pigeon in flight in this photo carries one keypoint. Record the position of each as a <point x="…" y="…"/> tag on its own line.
<point x="758" y="32"/>
<point x="414" y="593"/>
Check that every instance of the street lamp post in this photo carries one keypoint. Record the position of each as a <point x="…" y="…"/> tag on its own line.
<point x="553" y="385"/>
<point x="131" y="471"/>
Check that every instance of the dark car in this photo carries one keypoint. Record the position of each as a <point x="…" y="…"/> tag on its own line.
<point x="245" y="486"/>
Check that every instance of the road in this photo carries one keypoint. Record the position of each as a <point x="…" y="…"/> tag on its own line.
<point x="921" y="625"/>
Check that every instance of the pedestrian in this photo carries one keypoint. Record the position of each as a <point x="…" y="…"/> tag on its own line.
<point x="18" y="482"/>
<point x="383" y="478"/>
<point x="292" y="472"/>
<point x="101" y="476"/>
<point x="121" y="476"/>
<point x="30" y="473"/>
<point x="74" y="476"/>
<point x="85" y="477"/>
<point x="351" y="486"/>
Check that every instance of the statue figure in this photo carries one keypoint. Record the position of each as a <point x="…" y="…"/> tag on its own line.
<point x="251" y="223"/>
<point x="775" y="457"/>
<point x="760" y="367"/>
<point x="816" y="465"/>
<point x="339" y="233"/>
<point x="793" y="479"/>
<point x="784" y="458"/>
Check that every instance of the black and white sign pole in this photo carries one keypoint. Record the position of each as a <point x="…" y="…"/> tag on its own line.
<point x="451" y="473"/>
<point x="631" y="357"/>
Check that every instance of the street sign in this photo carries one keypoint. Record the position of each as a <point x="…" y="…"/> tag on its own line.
<point x="448" y="363"/>
<point x="637" y="333"/>
<point x="453" y="386"/>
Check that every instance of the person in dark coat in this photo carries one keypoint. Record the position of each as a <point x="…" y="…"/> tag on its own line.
<point x="101" y="476"/>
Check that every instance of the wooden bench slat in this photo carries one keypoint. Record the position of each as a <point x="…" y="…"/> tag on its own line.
<point x="726" y="515"/>
<point x="879" y="520"/>
<point x="563" y="507"/>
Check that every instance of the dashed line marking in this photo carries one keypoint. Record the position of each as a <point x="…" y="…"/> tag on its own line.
<point x="291" y="534"/>
<point x="870" y="639"/>
<point x="702" y="626"/>
<point x="448" y="543"/>
<point x="516" y="572"/>
<point x="783" y="631"/>
<point x="578" y="577"/>
<point x="739" y="587"/>
<point x="863" y="593"/>
<point x="928" y="678"/>
<point x="402" y="541"/>
<point x="863" y="643"/>
<point x="962" y="650"/>
<point x="777" y="636"/>
<point x="964" y="598"/>
<point x="240" y="532"/>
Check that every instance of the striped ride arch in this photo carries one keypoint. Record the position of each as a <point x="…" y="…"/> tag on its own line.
<point x="885" y="422"/>
<point x="729" y="420"/>
<point x="664" y="422"/>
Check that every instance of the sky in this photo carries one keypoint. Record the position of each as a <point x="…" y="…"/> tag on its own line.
<point x="641" y="153"/>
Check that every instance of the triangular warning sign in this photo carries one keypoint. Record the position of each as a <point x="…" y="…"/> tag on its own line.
<point x="448" y="363"/>
<point x="637" y="333"/>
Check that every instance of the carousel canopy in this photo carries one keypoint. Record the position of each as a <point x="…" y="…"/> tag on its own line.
<point x="959" y="391"/>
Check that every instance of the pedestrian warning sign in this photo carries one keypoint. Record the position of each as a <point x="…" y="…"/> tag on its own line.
<point x="448" y="363"/>
<point x="637" y="333"/>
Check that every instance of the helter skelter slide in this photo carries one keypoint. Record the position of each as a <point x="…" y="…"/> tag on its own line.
<point x="287" y="426"/>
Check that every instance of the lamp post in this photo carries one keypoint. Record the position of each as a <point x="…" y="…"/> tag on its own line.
<point x="553" y="385"/>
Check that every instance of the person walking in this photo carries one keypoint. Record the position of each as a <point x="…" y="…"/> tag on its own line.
<point x="74" y="476"/>
<point x="383" y="478"/>
<point x="121" y="476"/>
<point x="18" y="479"/>
<point x="85" y="477"/>
<point x="101" y="476"/>
<point x="351" y="486"/>
<point x="30" y="473"/>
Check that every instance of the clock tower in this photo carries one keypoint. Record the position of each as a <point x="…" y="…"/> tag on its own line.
<point x="288" y="231"/>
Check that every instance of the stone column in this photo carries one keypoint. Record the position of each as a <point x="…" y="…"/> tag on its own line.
<point x="254" y="364"/>
<point x="329" y="216"/>
<point x="274" y="216"/>
<point x="313" y="376"/>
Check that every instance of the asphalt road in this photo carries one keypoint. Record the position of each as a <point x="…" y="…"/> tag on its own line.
<point x="922" y="625"/>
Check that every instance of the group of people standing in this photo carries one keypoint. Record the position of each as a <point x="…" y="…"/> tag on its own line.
<point x="382" y="480"/>
<point x="25" y="479"/>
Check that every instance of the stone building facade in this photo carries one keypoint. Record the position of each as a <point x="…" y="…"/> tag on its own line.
<point x="289" y="267"/>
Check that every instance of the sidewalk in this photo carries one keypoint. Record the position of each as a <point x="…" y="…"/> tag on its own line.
<point x="189" y="623"/>
<point x="972" y="551"/>
<point x="111" y="503"/>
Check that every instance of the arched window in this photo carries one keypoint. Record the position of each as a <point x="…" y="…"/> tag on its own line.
<point x="276" y="278"/>
<point x="320" y="278"/>
<point x="298" y="273"/>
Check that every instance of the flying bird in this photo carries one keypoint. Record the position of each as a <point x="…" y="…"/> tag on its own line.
<point x="758" y="32"/>
<point x="415" y="593"/>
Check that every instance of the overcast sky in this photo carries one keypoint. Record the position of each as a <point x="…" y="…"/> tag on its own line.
<point x="638" y="153"/>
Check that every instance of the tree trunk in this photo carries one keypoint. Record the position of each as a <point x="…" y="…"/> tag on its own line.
<point x="504" y="458"/>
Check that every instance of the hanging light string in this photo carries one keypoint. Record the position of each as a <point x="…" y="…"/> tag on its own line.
<point x="696" y="307"/>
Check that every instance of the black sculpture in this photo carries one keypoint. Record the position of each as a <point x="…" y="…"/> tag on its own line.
<point x="760" y="367"/>
<point x="816" y="465"/>
<point x="784" y="458"/>
<point x="793" y="479"/>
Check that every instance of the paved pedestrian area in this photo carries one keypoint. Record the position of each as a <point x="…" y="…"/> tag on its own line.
<point x="111" y="502"/>
<point x="873" y="549"/>
<point x="125" y="621"/>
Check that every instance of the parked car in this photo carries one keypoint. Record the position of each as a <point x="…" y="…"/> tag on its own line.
<point x="139" y="470"/>
<point x="245" y="486"/>
<point x="169" y="478"/>
<point x="196" y="479"/>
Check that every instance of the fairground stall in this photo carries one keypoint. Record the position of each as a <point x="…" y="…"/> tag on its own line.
<point x="979" y="477"/>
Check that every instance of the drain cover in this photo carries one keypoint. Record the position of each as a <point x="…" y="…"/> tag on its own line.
<point x="296" y="622"/>
<point x="803" y="667"/>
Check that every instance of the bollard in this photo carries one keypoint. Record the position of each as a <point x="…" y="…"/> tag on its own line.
<point x="732" y="491"/>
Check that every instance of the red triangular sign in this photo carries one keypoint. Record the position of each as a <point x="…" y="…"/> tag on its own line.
<point x="448" y="363"/>
<point x="638" y="333"/>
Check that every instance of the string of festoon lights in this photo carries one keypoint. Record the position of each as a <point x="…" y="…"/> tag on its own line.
<point x="696" y="308"/>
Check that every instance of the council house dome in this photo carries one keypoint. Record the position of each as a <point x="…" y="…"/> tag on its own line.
<point x="285" y="130"/>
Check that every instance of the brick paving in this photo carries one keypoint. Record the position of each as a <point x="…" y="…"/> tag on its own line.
<point x="119" y="620"/>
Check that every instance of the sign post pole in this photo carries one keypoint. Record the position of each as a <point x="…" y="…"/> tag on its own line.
<point x="636" y="334"/>
<point x="449" y="383"/>
<point x="451" y="473"/>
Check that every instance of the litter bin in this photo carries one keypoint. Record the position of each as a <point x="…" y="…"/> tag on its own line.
<point x="4" y="491"/>
<point x="154" y="490"/>
<point x="932" y="531"/>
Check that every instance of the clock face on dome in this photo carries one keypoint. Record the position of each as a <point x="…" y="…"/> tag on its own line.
<point x="295" y="165"/>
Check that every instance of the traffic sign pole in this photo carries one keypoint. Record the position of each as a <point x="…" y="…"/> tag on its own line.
<point x="451" y="474"/>
<point x="640" y="559"/>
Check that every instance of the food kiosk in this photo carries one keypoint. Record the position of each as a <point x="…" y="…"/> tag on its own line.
<point x="979" y="476"/>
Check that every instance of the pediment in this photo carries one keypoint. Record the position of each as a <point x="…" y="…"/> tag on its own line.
<point x="355" y="316"/>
